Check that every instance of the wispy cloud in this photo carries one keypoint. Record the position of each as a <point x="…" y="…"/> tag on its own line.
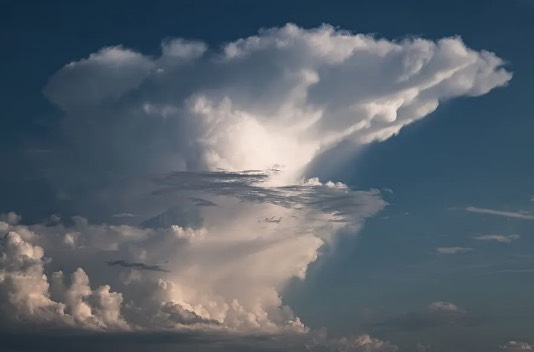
<point x="123" y="215"/>
<point x="435" y="315"/>
<point x="509" y="214"/>
<point x="513" y="271"/>
<point x="453" y="250"/>
<point x="442" y="306"/>
<point x="498" y="238"/>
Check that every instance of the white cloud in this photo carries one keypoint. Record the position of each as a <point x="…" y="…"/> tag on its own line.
<point x="441" y="306"/>
<point x="362" y="343"/>
<point x="184" y="140"/>
<point x="26" y="292"/>
<point x="517" y="346"/>
<point x="453" y="250"/>
<point x="278" y="98"/>
<point x="509" y="214"/>
<point x="498" y="238"/>
<point x="228" y="272"/>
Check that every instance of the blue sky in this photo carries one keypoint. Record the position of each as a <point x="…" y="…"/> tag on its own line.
<point x="436" y="254"/>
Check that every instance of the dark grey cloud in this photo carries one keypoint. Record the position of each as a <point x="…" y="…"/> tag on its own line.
<point x="189" y="342"/>
<point x="329" y="197"/>
<point x="136" y="266"/>
<point x="199" y="202"/>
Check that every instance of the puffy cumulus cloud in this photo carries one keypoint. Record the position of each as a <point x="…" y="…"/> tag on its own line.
<point x="209" y="149"/>
<point x="27" y="293"/>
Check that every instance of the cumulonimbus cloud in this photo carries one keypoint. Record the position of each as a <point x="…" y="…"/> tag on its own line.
<point x="220" y="138"/>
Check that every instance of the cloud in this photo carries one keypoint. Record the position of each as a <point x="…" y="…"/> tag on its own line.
<point x="453" y="250"/>
<point x="444" y="306"/>
<point x="229" y="270"/>
<point x="498" y="238"/>
<point x="517" y="346"/>
<point x="27" y="293"/>
<point x="123" y="215"/>
<point x="436" y="315"/>
<point x="281" y="97"/>
<point x="513" y="271"/>
<point x="193" y="341"/>
<point x="362" y="343"/>
<point x="138" y="266"/>
<point x="509" y="214"/>
<point x="199" y="144"/>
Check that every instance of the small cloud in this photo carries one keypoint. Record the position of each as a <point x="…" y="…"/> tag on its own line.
<point x="199" y="202"/>
<point x="508" y="214"/>
<point x="362" y="343"/>
<point x="435" y="315"/>
<point x="123" y="215"/>
<point x="453" y="250"/>
<point x="517" y="346"/>
<point x="441" y="306"/>
<point x="513" y="271"/>
<point x="498" y="238"/>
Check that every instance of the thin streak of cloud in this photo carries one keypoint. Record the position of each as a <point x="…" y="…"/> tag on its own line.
<point x="453" y="250"/>
<point x="123" y="215"/>
<point x="513" y="271"/>
<point x="498" y="238"/>
<point x="509" y="214"/>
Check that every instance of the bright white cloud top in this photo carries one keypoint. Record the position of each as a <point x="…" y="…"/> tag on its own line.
<point x="260" y="108"/>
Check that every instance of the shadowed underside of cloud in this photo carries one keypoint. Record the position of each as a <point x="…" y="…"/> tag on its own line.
<point x="188" y="341"/>
<point x="204" y="145"/>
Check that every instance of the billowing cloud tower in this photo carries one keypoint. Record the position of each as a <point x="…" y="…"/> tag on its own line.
<point x="194" y="165"/>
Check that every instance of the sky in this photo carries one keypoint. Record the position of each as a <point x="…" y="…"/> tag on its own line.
<point x="342" y="176"/>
